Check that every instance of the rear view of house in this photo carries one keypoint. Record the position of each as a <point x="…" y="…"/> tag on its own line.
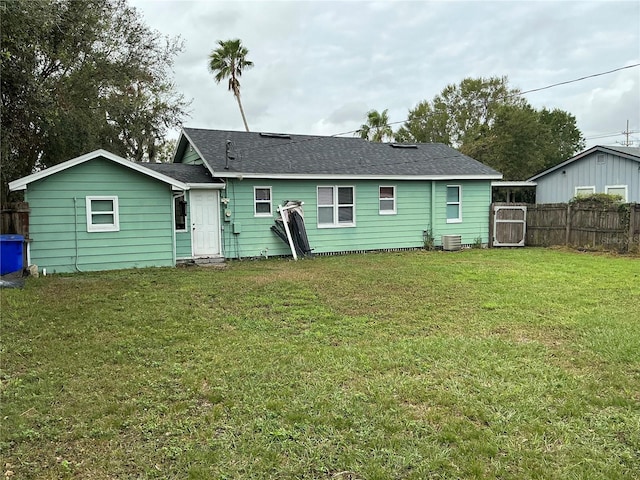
<point x="220" y="197"/>
<point x="356" y="195"/>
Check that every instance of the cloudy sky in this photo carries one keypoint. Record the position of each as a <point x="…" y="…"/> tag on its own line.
<point x="321" y="65"/>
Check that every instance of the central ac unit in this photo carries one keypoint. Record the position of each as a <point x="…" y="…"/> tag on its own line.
<point x="451" y="243"/>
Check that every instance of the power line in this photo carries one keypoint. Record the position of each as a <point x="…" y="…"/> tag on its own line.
<point x="605" y="135"/>
<point x="580" y="79"/>
<point x="351" y="132"/>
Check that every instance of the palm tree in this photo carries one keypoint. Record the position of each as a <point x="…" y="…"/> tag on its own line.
<point x="228" y="61"/>
<point x="377" y="128"/>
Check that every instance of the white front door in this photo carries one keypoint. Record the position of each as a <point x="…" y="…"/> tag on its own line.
<point x="205" y="222"/>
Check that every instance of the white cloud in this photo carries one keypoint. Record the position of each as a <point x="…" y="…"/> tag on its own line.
<point x="317" y="63"/>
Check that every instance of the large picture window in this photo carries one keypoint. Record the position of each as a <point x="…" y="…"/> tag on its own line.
<point x="454" y="204"/>
<point x="262" y="201"/>
<point x="102" y="214"/>
<point x="387" y="200"/>
<point x="336" y="206"/>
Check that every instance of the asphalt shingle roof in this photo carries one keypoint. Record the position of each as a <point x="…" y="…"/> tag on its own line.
<point x="635" y="151"/>
<point x="257" y="153"/>
<point x="182" y="172"/>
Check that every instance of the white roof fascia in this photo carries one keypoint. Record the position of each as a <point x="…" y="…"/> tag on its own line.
<point x="328" y="176"/>
<point x="21" y="183"/>
<point x="193" y="145"/>
<point x="513" y="183"/>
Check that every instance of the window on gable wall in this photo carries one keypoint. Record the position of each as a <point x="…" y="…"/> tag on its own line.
<point x="584" y="191"/>
<point x="454" y="204"/>
<point x="262" y="201"/>
<point x="617" y="190"/>
<point x="387" y="200"/>
<point x="336" y="206"/>
<point x="102" y="214"/>
<point x="180" y="212"/>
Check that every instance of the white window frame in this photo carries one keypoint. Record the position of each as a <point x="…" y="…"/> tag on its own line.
<point x="625" y="197"/>
<point x="186" y="216"/>
<point x="584" y="187"/>
<point x="256" y="202"/>
<point x="392" y="211"/>
<point x="458" y="203"/>
<point x="103" y="227"/>
<point x="336" y="207"/>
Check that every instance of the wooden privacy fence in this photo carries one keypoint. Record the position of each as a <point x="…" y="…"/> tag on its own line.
<point x="14" y="218"/>
<point x="580" y="225"/>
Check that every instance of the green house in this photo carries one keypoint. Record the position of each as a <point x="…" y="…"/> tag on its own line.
<point x="222" y="193"/>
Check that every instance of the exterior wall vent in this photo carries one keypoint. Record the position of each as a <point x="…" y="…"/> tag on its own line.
<point x="600" y="159"/>
<point x="451" y="243"/>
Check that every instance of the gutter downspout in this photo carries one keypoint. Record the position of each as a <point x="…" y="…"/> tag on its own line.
<point x="75" y="232"/>
<point x="433" y="207"/>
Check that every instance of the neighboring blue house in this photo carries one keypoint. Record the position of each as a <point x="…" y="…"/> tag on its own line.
<point x="614" y="170"/>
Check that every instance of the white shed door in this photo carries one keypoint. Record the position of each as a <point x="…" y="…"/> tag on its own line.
<point x="205" y="222"/>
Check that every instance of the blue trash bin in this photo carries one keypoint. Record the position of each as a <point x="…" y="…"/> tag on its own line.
<point x="11" y="253"/>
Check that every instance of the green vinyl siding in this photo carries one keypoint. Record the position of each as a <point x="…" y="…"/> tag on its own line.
<point x="58" y="223"/>
<point x="372" y="231"/>
<point x="190" y="157"/>
<point x="475" y="202"/>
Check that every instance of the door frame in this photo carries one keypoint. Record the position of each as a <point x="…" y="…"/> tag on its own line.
<point x="215" y="208"/>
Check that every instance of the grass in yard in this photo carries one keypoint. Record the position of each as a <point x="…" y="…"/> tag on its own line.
<point x="478" y="364"/>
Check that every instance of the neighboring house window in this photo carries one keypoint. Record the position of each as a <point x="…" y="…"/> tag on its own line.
<point x="336" y="207"/>
<point x="585" y="191"/>
<point x="262" y="201"/>
<point x="102" y="214"/>
<point x="454" y="204"/>
<point x="387" y="200"/>
<point x="617" y="190"/>
<point x="180" y="212"/>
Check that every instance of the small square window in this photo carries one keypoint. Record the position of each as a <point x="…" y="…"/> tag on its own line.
<point x="102" y="214"/>
<point x="582" y="191"/>
<point x="617" y="190"/>
<point x="262" y="201"/>
<point x="387" y="200"/>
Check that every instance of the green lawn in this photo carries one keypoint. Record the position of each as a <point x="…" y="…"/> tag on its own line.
<point x="507" y="364"/>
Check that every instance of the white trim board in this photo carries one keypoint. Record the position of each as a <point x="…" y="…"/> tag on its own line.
<point x="21" y="183"/>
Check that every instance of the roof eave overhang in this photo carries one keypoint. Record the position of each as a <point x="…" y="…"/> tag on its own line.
<point x="331" y="176"/>
<point x="513" y="183"/>
<point x="21" y="183"/>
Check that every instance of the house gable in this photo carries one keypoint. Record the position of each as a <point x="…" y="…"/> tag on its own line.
<point x="61" y="239"/>
<point x="599" y="169"/>
<point x="22" y="183"/>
